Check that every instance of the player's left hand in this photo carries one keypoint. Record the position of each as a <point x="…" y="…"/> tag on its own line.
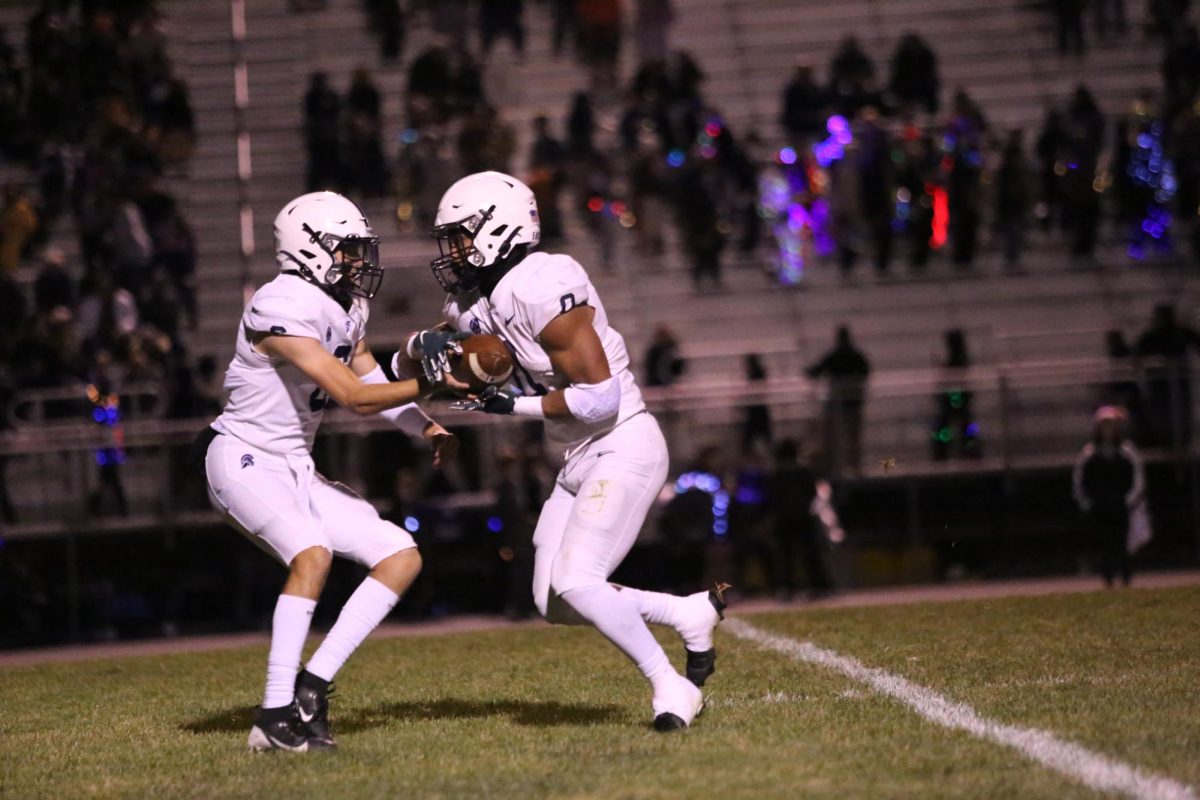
<point x="493" y="400"/>
<point x="436" y="347"/>
<point x="445" y="445"/>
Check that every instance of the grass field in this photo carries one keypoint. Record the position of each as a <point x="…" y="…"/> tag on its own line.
<point x="540" y="712"/>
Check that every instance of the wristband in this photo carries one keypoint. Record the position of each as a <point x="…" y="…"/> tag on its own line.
<point x="528" y="407"/>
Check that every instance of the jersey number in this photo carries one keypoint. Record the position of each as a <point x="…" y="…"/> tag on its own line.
<point x="318" y="399"/>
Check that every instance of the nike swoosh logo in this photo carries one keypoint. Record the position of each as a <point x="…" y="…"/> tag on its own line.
<point x="306" y="718"/>
<point x="510" y="319"/>
<point x="605" y="453"/>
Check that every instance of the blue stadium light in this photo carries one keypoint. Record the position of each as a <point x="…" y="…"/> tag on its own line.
<point x="412" y="524"/>
<point x="495" y="524"/>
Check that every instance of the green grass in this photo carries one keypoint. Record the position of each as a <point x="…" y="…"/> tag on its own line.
<point x="541" y="712"/>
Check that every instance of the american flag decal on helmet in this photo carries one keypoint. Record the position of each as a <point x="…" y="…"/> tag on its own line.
<point x="533" y="214"/>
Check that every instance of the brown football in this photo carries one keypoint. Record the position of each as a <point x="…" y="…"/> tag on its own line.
<point x="485" y="361"/>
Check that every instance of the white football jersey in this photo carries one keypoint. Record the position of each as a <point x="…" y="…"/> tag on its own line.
<point x="525" y="300"/>
<point x="272" y="404"/>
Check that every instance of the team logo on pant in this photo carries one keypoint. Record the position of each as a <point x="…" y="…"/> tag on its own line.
<point x="475" y="326"/>
<point x="247" y="461"/>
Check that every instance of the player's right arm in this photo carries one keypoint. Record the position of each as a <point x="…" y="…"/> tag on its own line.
<point x="337" y="379"/>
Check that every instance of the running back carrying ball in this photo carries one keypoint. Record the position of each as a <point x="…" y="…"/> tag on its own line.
<point x="485" y="361"/>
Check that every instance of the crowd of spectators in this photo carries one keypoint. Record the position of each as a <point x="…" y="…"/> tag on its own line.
<point x="878" y="164"/>
<point x="97" y="114"/>
<point x="93" y="117"/>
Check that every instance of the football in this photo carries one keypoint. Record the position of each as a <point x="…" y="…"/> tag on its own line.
<point x="485" y="361"/>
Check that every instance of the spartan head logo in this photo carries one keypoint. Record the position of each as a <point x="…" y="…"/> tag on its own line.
<point x="247" y="461"/>
<point x="475" y="326"/>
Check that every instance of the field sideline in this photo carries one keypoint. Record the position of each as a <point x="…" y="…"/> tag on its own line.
<point x="1056" y="692"/>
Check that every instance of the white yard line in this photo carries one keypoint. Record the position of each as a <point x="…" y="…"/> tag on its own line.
<point x="1075" y="761"/>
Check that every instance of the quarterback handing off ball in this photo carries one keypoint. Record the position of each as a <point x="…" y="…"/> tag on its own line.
<point x="485" y="361"/>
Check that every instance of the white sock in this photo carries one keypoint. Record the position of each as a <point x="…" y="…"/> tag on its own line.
<point x="617" y="617"/>
<point x="691" y="617"/>
<point x="289" y="629"/>
<point x="657" y="608"/>
<point x="366" y="608"/>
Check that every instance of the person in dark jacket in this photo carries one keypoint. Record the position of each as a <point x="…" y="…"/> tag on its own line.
<point x="791" y="490"/>
<point x="847" y="369"/>
<point x="1108" y="482"/>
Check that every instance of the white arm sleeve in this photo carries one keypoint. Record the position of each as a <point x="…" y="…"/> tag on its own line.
<point x="408" y="418"/>
<point x="593" y="402"/>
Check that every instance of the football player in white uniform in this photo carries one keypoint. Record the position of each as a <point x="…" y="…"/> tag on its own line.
<point x="572" y="370"/>
<point x="300" y="343"/>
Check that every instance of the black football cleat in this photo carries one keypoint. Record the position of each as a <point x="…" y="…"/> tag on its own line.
<point x="312" y="705"/>
<point x="676" y="703"/>
<point x="665" y="723"/>
<point x="280" y="729"/>
<point x="701" y="664"/>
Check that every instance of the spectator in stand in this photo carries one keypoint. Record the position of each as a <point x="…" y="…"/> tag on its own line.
<point x="1050" y="143"/>
<point x="581" y="127"/>
<point x="170" y="123"/>
<point x="851" y="79"/>
<point x="918" y="176"/>
<point x="18" y="223"/>
<point x="648" y="194"/>
<point x="1168" y="384"/>
<point x="1082" y="144"/>
<point x="53" y="286"/>
<point x="1181" y="69"/>
<point x="14" y="318"/>
<point x="847" y="369"/>
<point x="955" y="433"/>
<point x="566" y="23"/>
<point x="698" y="218"/>
<point x="914" y="80"/>
<point x="322" y="134"/>
<point x="386" y="19"/>
<point x="756" y="421"/>
<point x="1165" y="17"/>
<point x="803" y="115"/>
<point x="600" y="42"/>
<point x="175" y="254"/>
<point x="1184" y="146"/>
<point x="431" y="78"/>
<point x="1109" y="484"/>
<point x="877" y="182"/>
<point x="548" y="170"/>
<point x="1110" y="18"/>
<point x="1013" y="193"/>
<point x="965" y="134"/>
<point x="1068" y="21"/>
<point x="485" y="141"/>
<point x="791" y="490"/>
<point x="364" y="160"/>
<point x="653" y="24"/>
<point x="501" y="18"/>
<point x="662" y="364"/>
<point x="13" y="143"/>
<point x="52" y="183"/>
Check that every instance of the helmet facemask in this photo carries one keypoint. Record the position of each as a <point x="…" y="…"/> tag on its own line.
<point x="457" y="268"/>
<point x="354" y="262"/>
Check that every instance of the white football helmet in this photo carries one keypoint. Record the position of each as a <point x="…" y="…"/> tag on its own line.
<point x="312" y="231"/>
<point x="479" y="222"/>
